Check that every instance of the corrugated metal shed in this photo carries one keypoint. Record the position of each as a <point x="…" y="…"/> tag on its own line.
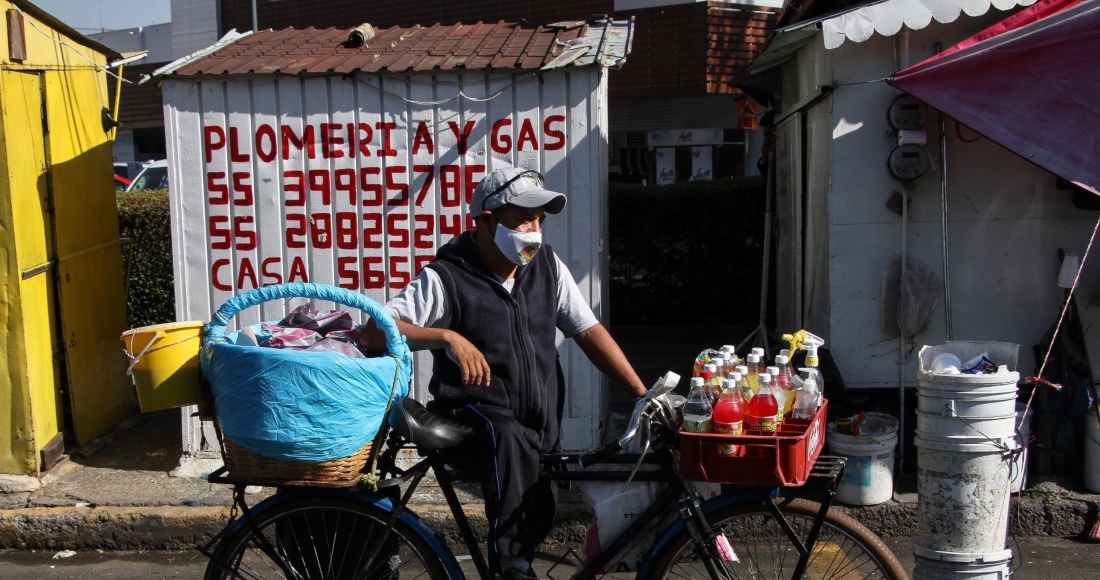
<point x="480" y="46"/>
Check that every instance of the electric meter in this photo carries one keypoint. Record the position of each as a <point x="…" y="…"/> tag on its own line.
<point x="907" y="162"/>
<point x="906" y="112"/>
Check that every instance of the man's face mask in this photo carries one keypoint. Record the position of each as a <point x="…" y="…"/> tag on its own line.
<point x="519" y="247"/>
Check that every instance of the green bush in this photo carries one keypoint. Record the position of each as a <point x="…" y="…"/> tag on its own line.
<point x="143" y="218"/>
<point x="687" y="253"/>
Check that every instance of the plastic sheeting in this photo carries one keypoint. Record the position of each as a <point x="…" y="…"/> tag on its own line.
<point x="1028" y="84"/>
<point x="302" y="405"/>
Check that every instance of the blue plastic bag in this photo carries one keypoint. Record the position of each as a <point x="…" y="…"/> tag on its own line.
<point x="302" y="405"/>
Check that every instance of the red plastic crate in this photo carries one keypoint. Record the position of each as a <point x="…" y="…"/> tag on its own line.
<point x="782" y="459"/>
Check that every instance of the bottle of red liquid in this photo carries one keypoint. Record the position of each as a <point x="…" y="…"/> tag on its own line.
<point x="763" y="408"/>
<point x="729" y="415"/>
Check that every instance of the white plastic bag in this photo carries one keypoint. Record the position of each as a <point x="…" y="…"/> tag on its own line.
<point x="614" y="510"/>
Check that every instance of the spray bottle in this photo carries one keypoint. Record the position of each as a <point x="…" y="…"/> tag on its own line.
<point x="804" y="340"/>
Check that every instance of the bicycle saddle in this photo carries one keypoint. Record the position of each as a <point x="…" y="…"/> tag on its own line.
<point x="425" y="429"/>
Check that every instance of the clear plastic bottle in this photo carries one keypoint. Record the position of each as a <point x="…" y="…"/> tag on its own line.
<point x="719" y="363"/>
<point x="784" y="365"/>
<point x="807" y="398"/>
<point x="755" y="368"/>
<point x="742" y="382"/>
<point x="763" y="409"/>
<point x="712" y="382"/>
<point x="784" y="381"/>
<point x="697" y="408"/>
<point x="731" y="356"/>
<point x="729" y="415"/>
<point x="784" y="398"/>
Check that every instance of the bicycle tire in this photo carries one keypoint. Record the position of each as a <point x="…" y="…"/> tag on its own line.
<point x="844" y="548"/>
<point x="324" y="538"/>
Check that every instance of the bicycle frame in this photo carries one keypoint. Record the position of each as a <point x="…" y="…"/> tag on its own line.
<point x="677" y="492"/>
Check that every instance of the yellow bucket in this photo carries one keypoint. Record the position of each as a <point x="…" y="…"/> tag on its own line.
<point x="164" y="363"/>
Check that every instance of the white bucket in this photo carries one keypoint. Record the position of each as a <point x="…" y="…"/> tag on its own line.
<point x="965" y="438"/>
<point x="1018" y="470"/>
<point x="964" y="497"/>
<point x="869" y="471"/>
<point x="936" y="565"/>
<point x="1092" y="452"/>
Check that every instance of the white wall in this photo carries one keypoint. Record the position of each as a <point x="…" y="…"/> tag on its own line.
<point x="1006" y="220"/>
<point x="568" y="145"/>
<point x="195" y="25"/>
<point x="157" y="39"/>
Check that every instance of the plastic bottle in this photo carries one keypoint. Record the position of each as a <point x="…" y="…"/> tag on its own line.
<point x="697" y="408"/>
<point x="712" y="382"/>
<point x="783" y="364"/>
<point x="784" y="381"/>
<point x="731" y="356"/>
<point x="743" y="382"/>
<point x="719" y="363"/>
<point x="755" y="368"/>
<point x="807" y="398"/>
<point x="729" y="415"/>
<point x="763" y="409"/>
<point x="781" y="396"/>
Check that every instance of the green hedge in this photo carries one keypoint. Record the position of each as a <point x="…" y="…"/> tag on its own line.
<point x="143" y="218"/>
<point x="686" y="253"/>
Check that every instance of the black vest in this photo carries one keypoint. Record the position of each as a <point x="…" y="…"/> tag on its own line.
<point x="514" y="331"/>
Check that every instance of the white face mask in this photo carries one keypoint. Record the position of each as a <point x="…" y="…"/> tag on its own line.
<point x="519" y="247"/>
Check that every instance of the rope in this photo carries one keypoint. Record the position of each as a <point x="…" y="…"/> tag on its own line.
<point x="1039" y="380"/>
<point x="370" y="479"/>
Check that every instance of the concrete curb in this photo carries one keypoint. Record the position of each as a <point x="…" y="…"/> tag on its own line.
<point x="186" y="527"/>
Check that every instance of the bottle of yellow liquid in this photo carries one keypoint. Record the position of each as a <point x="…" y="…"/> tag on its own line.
<point x="755" y="368"/>
<point x="741" y="383"/>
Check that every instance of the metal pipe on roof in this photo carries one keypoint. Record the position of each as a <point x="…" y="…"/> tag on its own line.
<point x="255" y="17"/>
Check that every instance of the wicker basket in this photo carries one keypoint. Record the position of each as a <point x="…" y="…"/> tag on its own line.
<point x="248" y="465"/>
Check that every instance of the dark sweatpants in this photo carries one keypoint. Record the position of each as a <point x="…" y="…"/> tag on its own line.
<point x="520" y="507"/>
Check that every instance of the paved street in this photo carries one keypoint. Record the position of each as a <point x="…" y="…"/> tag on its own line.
<point x="1042" y="558"/>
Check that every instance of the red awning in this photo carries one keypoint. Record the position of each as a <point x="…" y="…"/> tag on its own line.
<point x="1030" y="83"/>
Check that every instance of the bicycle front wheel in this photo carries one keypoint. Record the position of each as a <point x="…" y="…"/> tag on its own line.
<point x="323" y="538"/>
<point x="844" y="548"/>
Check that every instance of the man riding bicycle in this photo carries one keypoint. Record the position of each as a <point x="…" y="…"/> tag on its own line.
<point x="488" y="308"/>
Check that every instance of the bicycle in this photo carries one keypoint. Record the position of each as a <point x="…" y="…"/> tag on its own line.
<point x="358" y="533"/>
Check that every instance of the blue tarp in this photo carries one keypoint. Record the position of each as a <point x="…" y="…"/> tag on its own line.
<point x="302" y="405"/>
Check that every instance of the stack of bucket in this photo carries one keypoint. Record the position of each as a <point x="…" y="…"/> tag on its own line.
<point x="966" y="445"/>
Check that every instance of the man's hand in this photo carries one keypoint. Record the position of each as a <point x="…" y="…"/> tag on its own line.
<point x="475" y="369"/>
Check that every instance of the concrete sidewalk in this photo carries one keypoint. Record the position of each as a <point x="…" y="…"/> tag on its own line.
<point x="118" y="493"/>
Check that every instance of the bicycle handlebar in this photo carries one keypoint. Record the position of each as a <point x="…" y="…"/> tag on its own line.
<point x="662" y="387"/>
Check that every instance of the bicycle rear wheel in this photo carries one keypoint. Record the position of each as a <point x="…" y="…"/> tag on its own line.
<point x="329" y="538"/>
<point x="844" y="548"/>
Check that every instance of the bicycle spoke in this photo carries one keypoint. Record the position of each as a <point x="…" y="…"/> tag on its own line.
<point x="764" y="552"/>
<point x="325" y="539"/>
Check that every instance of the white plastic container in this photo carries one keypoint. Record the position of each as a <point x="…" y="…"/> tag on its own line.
<point x="934" y="565"/>
<point x="965" y="441"/>
<point x="869" y="471"/>
<point x="1018" y="470"/>
<point x="1092" y="452"/>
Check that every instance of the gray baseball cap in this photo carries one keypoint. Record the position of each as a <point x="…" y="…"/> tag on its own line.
<point x="519" y="187"/>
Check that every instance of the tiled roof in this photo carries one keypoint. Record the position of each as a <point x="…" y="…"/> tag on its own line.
<point x="479" y="46"/>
